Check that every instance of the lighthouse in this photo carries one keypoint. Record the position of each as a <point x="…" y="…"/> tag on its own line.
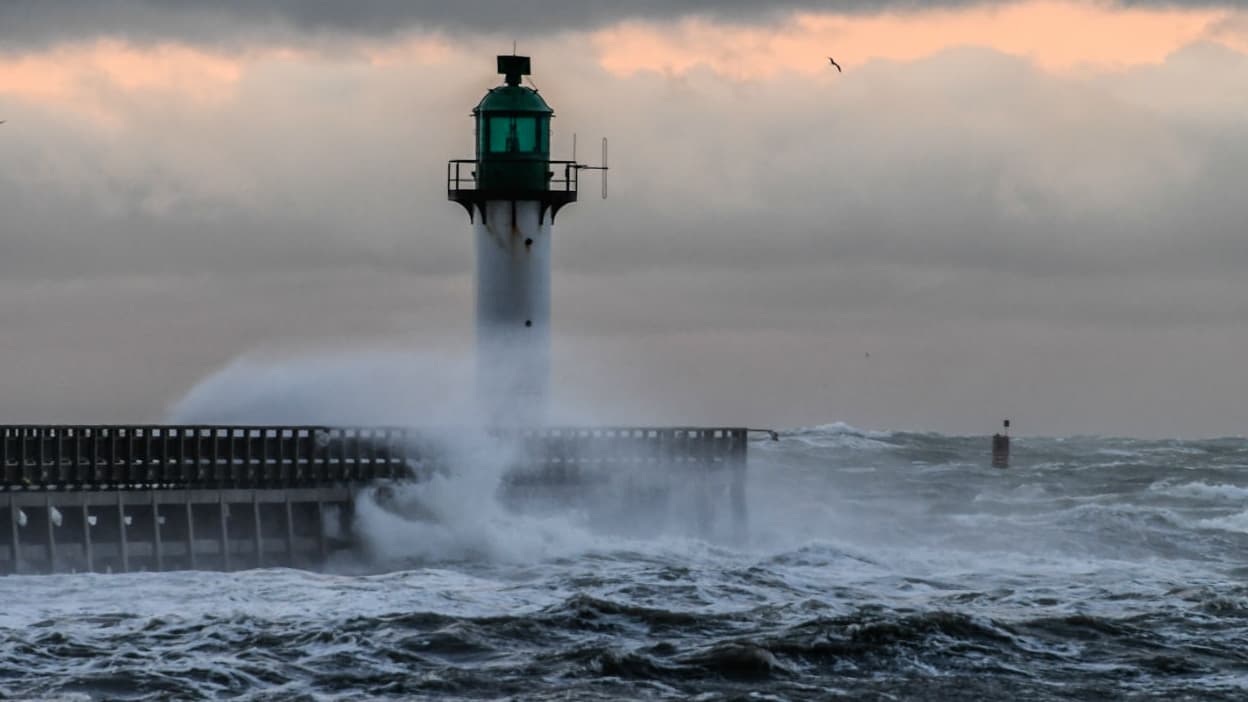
<point x="512" y="192"/>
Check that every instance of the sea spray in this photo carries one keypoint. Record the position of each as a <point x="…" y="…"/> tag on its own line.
<point x="464" y="507"/>
<point x="372" y="388"/>
<point x="456" y="514"/>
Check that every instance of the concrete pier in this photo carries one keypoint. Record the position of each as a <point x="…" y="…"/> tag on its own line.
<point x="131" y="498"/>
<point x="130" y="530"/>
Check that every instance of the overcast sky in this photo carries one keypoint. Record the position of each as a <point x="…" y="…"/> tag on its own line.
<point x="1031" y="210"/>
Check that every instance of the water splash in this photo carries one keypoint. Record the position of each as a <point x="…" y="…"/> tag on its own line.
<point x="361" y="389"/>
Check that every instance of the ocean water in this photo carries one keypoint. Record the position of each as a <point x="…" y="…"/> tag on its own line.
<point x="875" y="566"/>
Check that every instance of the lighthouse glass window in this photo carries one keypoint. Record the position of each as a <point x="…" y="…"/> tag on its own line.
<point x="513" y="135"/>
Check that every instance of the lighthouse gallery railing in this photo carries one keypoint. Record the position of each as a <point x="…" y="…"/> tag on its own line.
<point x="561" y="176"/>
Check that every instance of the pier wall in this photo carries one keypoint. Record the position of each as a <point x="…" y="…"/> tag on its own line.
<point x="165" y="529"/>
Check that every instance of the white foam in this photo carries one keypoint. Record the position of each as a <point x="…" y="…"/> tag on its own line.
<point x="1201" y="490"/>
<point x="1235" y="522"/>
<point x="844" y="428"/>
<point x="1117" y="452"/>
<point x="842" y="436"/>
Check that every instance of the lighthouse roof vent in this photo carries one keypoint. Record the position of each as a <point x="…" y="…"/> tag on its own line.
<point x="513" y="97"/>
<point x="513" y="67"/>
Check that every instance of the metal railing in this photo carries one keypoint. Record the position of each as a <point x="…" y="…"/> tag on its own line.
<point x="128" y="457"/>
<point x="561" y="176"/>
<point x="61" y="457"/>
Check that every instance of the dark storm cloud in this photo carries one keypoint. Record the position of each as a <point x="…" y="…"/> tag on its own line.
<point x="26" y="23"/>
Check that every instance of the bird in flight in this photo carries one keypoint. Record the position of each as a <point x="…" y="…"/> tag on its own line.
<point x="834" y="63"/>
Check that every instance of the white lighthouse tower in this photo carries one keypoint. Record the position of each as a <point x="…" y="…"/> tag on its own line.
<point x="512" y="192"/>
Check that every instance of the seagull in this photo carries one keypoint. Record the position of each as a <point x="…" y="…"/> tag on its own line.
<point x="834" y="63"/>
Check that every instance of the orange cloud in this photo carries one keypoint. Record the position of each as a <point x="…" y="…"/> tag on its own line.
<point x="85" y="79"/>
<point x="79" y="79"/>
<point x="1057" y="36"/>
<point x="1232" y="31"/>
<point x="170" y="68"/>
<point x="167" y="67"/>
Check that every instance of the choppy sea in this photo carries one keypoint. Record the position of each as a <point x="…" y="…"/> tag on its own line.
<point x="877" y="566"/>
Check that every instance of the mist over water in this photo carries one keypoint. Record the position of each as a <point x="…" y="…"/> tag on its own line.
<point x="876" y="565"/>
<point x="357" y="389"/>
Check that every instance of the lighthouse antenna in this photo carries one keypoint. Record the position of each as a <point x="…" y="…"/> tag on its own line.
<point x="604" y="168"/>
<point x="587" y="167"/>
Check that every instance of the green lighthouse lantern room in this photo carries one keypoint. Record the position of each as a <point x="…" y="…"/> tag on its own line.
<point x="513" y="134"/>
<point x="513" y="150"/>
